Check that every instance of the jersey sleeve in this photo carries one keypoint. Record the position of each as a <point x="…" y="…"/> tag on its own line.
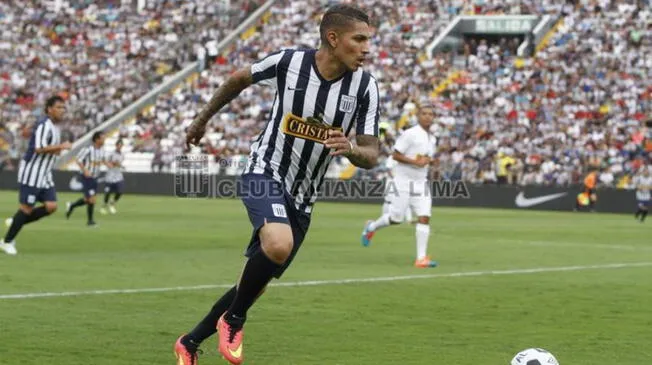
<point x="369" y="114"/>
<point x="42" y="136"/>
<point x="264" y="71"/>
<point x="402" y="143"/>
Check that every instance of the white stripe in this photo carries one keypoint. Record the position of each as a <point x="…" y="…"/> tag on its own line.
<point x="370" y="118"/>
<point x="259" y="163"/>
<point x="334" y="282"/>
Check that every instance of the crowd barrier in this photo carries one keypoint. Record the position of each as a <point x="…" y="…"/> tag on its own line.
<point x="447" y="194"/>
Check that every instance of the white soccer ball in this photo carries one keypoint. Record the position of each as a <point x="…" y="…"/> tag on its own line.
<point x="534" y="357"/>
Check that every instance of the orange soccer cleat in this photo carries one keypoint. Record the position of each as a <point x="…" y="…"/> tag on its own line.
<point x="425" y="262"/>
<point x="184" y="356"/>
<point x="230" y="340"/>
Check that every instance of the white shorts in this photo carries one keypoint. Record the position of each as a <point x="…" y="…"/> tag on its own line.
<point x="400" y="200"/>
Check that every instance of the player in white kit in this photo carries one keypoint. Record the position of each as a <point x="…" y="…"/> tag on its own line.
<point x="410" y="187"/>
<point x="643" y="184"/>
<point x="114" y="179"/>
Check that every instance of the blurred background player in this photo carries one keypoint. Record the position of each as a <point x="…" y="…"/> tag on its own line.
<point x="643" y="184"/>
<point x="588" y="197"/>
<point x="90" y="159"/>
<point x="35" y="173"/>
<point x="114" y="179"/>
<point x="409" y="188"/>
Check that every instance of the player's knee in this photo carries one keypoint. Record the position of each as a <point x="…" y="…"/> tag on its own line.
<point x="276" y="241"/>
<point x="396" y="218"/>
<point x="424" y="220"/>
<point x="26" y="209"/>
<point x="51" y="207"/>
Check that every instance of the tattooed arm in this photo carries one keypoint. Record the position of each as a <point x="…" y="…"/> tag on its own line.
<point x="365" y="154"/>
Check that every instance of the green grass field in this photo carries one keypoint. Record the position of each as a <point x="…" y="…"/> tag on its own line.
<point x="508" y="280"/>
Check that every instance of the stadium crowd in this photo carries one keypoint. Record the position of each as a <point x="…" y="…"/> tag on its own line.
<point x="580" y="103"/>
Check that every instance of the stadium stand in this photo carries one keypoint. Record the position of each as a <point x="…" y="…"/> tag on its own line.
<point x="548" y="117"/>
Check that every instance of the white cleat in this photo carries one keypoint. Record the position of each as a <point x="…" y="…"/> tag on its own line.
<point x="8" y="248"/>
<point x="112" y="209"/>
<point x="103" y="211"/>
<point x="8" y="222"/>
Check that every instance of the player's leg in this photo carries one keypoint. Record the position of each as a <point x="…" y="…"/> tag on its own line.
<point x="422" y="206"/>
<point x="49" y="199"/>
<point x="90" y="195"/>
<point x="117" y="190"/>
<point x="396" y="203"/>
<point x="643" y="208"/>
<point x="27" y="198"/>
<point x="70" y="207"/>
<point x="107" y="196"/>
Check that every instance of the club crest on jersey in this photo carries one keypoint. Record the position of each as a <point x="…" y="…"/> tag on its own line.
<point x="347" y="103"/>
<point x="311" y="128"/>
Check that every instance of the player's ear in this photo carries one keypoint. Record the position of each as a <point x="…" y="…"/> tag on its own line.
<point x="332" y="38"/>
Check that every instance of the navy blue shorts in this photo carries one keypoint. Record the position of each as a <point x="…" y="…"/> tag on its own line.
<point x="644" y="203"/>
<point x="114" y="187"/>
<point x="89" y="185"/>
<point x="266" y="202"/>
<point x="29" y="195"/>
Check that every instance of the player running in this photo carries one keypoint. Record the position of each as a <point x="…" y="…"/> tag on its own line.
<point x="413" y="152"/>
<point x="321" y="95"/>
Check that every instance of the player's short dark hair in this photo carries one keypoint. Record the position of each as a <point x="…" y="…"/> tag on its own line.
<point x="118" y="142"/>
<point x="97" y="135"/>
<point x="339" y="16"/>
<point x="53" y="100"/>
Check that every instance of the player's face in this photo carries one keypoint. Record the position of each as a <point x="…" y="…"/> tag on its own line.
<point x="352" y="47"/>
<point x="57" y="111"/>
<point x="100" y="141"/>
<point x="118" y="147"/>
<point x="426" y="118"/>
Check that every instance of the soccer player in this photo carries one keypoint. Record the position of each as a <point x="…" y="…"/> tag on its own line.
<point x="590" y="182"/>
<point x="89" y="160"/>
<point x="35" y="172"/>
<point x="321" y="95"/>
<point x="114" y="180"/>
<point x="413" y="152"/>
<point x="643" y="184"/>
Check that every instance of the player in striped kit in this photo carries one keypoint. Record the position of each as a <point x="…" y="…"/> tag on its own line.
<point x="321" y="95"/>
<point x="643" y="185"/>
<point x="90" y="160"/>
<point x="114" y="179"/>
<point x="35" y="173"/>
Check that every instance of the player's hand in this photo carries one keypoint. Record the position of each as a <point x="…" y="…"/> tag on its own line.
<point x="422" y="161"/>
<point x="87" y="173"/>
<point x="195" y="133"/>
<point x="338" y="143"/>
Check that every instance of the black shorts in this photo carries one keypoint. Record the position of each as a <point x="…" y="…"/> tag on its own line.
<point x="267" y="201"/>
<point x="29" y="195"/>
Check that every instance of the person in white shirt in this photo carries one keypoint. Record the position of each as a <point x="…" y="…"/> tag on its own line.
<point x="409" y="187"/>
<point x="643" y="185"/>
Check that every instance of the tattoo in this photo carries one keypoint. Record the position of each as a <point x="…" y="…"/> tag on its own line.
<point x="228" y="91"/>
<point x="366" y="154"/>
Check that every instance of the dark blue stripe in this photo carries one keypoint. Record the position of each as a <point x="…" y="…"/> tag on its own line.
<point x="267" y="73"/>
<point x="281" y="74"/>
<point x="363" y="106"/>
<point x="337" y="122"/>
<point x="297" y="109"/>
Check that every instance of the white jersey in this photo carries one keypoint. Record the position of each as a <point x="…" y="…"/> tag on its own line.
<point x="414" y="142"/>
<point x="114" y="174"/>
<point x="643" y="185"/>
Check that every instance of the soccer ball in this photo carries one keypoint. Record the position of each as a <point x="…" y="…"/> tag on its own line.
<point x="534" y="357"/>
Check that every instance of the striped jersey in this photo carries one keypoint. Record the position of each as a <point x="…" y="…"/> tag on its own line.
<point x="91" y="158"/>
<point x="35" y="169"/>
<point x="114" y="174"/>
<point x="300" y="164"/>
<point x="643" y="185"/>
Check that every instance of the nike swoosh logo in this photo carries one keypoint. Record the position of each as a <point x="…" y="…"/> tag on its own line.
<point x="294" y="89"/>
<point x="523" y="202"/>
<point x="237" y="353"/>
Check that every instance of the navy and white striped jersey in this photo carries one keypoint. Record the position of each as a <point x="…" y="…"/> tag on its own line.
<point x="35" y="169"/>
<point x="114" y="174"/>
<point x="297" y="163"/>
<point x="92" y="159"/>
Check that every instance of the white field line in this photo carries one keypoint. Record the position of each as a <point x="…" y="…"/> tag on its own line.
<point x="331" y="282"/>
<point x="587" y="245"/>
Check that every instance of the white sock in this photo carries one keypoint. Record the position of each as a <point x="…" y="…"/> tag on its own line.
<point x="381" y="222"/>
<point x="423" y="233"/>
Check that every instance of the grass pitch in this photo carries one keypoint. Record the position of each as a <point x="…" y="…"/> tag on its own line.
<point x="577" y="284"/>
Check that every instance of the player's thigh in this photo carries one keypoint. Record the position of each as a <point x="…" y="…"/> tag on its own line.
<point x="27" y="197"/>
<point x="421" y="205"/>
<point x="399" y="202"/>
<point x="49" y="199"/>
<point x="90" y="188"/>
